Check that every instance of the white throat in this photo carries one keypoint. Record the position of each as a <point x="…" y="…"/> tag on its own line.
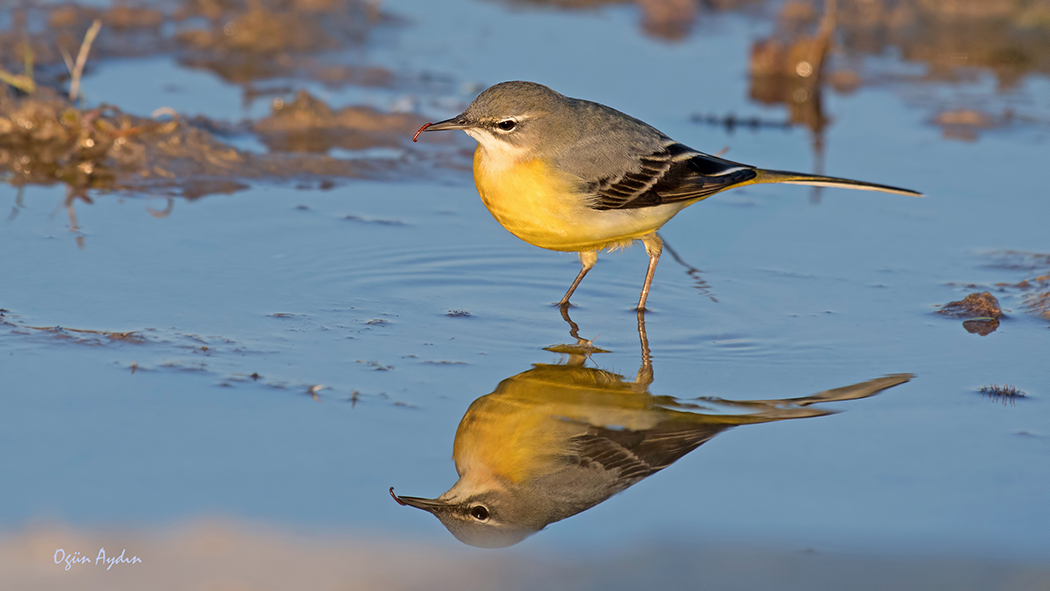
<point x="499" y="153"/>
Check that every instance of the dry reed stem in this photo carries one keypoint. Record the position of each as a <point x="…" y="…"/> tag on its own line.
<point x="78" y="67"/>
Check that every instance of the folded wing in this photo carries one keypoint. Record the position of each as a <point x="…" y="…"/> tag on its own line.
<point x="674" y="174"/>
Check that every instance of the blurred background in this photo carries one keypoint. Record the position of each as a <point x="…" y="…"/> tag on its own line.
<point x="238" y="303"/>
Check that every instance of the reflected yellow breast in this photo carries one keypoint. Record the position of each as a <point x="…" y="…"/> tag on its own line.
<point x="500" y="439"/>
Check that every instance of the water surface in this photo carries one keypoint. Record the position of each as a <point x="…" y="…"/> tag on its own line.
<point x="405" y="301"/>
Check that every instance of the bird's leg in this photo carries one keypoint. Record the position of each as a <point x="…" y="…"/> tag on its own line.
<point x="653" y="247"/>
<point x="574" y="329"/>
<point x="587" y="260"/>
<point x="645" y="373"/>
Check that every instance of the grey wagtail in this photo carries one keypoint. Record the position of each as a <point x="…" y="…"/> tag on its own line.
<point x="573" y="175"/>
<point x="556" y="440"/>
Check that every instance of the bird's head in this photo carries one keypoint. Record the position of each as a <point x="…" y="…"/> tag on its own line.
<point x="513" y="119"/>
<point x="485" y="519"/>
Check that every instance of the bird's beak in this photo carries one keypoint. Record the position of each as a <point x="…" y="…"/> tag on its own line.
<point x="430" y="505"/>
<point x="457" y="122"/>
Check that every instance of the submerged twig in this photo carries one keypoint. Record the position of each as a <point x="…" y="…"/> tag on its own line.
<point x="1004" y="393"/>
<point x="18" y="206"/>
<point x="693" y="272"/>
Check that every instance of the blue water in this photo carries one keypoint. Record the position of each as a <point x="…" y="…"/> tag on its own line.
<point x="279" y="282"/>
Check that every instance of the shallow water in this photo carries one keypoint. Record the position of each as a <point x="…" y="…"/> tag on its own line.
<point x="406" y="302"/>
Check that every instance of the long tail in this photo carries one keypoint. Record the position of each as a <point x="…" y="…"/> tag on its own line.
<point x="798" y="178"/>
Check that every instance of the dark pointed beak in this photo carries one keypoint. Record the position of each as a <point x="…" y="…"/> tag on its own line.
<point x="457" y="122"/>
<point x="430" y="505"/>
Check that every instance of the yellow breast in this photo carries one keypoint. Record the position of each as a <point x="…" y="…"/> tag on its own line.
<point x="548" y="208"/>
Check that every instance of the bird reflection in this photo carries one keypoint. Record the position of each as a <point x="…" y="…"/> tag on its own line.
<point x="558" y="439"/>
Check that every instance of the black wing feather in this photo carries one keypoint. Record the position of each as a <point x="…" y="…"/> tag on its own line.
<point x="634" y="455"/>
<point x="676" y="173"/>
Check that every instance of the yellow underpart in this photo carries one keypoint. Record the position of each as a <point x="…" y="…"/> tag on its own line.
<point x="548" y="208"/>
<point x="500" y="441"/>
<point x="523" y="430"/>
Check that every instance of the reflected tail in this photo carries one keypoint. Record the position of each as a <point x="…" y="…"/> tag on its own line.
<point x="796" y="408"/>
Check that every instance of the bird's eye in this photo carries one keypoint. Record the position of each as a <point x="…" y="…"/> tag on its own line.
<point x="479" y="512"/>
<point x="507" y="125"/>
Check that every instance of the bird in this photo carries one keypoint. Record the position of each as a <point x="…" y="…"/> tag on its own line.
<point x="558" y="439"/>
<point x="574" y="175"/>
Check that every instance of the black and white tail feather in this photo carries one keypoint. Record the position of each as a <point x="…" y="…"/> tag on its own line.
<point x="678" y="173"/>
